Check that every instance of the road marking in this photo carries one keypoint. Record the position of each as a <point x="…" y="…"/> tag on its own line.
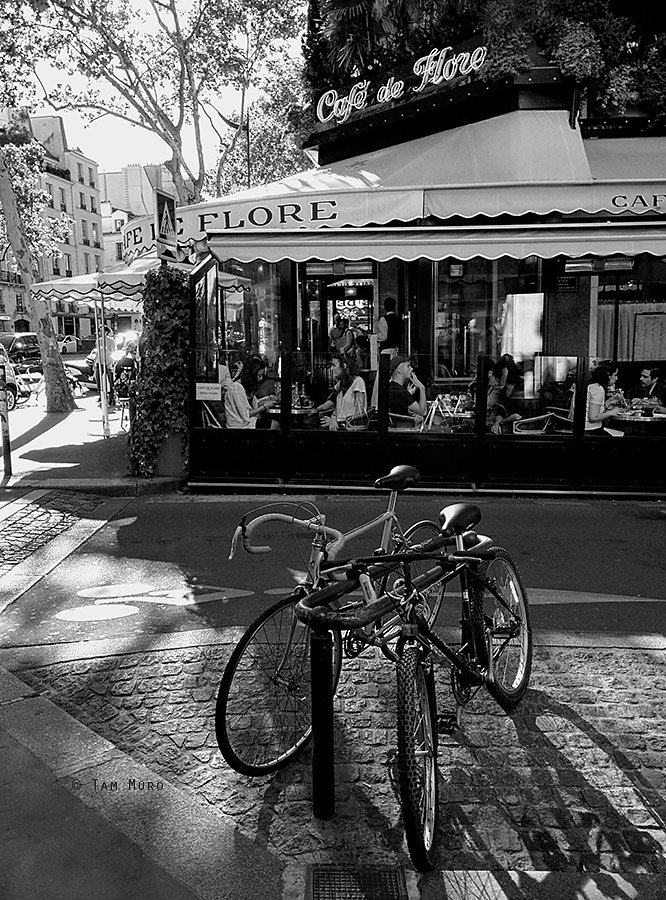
<point x="544" y="597"/>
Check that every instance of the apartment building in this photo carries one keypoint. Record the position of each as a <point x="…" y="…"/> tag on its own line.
<point x="113" y="220"/>
<point x="72" y="182"/>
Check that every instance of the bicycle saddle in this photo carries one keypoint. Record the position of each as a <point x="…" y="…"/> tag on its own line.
<point x="459" y="517"/>
<point x="399" y="478"/>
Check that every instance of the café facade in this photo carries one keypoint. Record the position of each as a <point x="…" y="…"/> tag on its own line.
<point x="503" y="223"/>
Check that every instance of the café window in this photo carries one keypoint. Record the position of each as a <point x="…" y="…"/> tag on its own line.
<point x="486" y="307"/>
<point x="631" y="309"/>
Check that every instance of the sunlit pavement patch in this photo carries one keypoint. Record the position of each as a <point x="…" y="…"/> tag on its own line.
<point x="147" y="593"/>
<point x="97" y="613"/>
<point x="115" y="590"/>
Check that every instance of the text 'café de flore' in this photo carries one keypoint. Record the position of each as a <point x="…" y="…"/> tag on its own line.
<point x="471" y="279"/>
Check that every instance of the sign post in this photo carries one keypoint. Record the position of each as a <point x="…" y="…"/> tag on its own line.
<point x="165" y="226"/>
<point x="4" y="425"/>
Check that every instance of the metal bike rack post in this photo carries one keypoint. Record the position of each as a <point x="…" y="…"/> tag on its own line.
<point x="4" y="425"/>
<point x="323" y="751"/>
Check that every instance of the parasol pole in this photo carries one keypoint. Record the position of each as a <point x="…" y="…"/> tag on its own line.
<point x="101" y="361"/>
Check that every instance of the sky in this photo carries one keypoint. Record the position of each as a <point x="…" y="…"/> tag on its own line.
<point x="113" y="143"/>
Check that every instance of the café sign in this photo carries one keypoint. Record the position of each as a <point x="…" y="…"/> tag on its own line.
<point x="436" y="67"/>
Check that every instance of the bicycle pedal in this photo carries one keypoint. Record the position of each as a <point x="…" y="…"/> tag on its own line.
<point x="447" y="724"/>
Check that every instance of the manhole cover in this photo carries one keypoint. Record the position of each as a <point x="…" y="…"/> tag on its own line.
<point x="349" y="883"/>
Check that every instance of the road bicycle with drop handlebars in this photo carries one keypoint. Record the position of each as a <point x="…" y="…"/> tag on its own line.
<point x="277" y="689"/>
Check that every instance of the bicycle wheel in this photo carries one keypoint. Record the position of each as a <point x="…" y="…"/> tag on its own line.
<point x="417" y="756"/>
<point x="508" y="626"/>
<point x="263" y="713"/>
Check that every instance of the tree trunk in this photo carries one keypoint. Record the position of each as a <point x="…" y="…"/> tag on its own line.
<point x="58" y="394"/>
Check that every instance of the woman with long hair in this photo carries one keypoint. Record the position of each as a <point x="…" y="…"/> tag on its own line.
<point x="597" y="409"/>
<point x="348" y="397"/>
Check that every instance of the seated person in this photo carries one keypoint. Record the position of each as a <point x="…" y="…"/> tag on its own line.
<point x="652" y="391"/>
<point x="402" y="401"/>
<point x="241" y="406"/>
<point x="347" y="400"/>
<point x="598" y="408"/>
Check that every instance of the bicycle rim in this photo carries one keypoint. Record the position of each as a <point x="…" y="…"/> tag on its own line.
<point x="263" y="715"/>
<point x="507" y="627"/>
<point x="417" y="757"/>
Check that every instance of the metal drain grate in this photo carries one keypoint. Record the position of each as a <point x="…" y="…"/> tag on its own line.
<point x="350" y="883"/>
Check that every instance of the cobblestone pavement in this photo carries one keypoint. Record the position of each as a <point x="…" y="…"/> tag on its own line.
<point x="30" y="521"/>
<point x="574" y="781"/>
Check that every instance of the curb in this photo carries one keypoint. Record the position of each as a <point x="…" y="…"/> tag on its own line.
<point x="181" y="833"/>
<point x="109" y="487"/>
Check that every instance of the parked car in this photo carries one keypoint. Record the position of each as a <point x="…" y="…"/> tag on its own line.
<point x="68" y="343"/>
<point x="20" y="345"/>
<point x="10" y="378"/>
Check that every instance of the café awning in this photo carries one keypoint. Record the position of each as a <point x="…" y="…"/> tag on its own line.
<point x="120" y="286"/>
<point x="462" y="242"/>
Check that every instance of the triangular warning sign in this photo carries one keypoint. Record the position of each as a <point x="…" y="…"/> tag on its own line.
<point x="166" y="225"/>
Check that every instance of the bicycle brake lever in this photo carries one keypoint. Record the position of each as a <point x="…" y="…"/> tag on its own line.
<point x="234" y="541"/>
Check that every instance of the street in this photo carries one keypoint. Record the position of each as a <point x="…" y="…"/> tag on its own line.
<point x="131" y="627"/>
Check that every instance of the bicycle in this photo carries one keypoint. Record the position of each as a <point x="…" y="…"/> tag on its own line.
<point x="267" y="676"/>
<point x="495" y="650"/>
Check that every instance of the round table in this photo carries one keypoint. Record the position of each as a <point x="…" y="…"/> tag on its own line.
<point x="651" y="426"/>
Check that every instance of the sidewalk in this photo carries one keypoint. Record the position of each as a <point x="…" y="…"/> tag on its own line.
<point x="69" y="451"/>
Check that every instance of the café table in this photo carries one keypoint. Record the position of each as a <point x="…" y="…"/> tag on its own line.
<point x="637" y="424"/>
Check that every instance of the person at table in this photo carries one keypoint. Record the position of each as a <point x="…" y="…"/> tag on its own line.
<point x="599" y="408"/>
<point x="347" y="400"/>
<point x="403" y="401"/>
<point x="241" y="406"/>
<point x="652" y="391"/>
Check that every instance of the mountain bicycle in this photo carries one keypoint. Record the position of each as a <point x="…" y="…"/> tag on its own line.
<point x="495" y="650"/>
<point x="263" y="709"/>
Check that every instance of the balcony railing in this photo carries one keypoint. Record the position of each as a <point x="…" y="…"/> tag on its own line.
<point x="92" y="184"/>
<point x="81" y="179"/>
<point x="86" y="241"/>
<point x="83" y="206"/>
<point x="56" y="270"/>
<point x="9" y="277"/>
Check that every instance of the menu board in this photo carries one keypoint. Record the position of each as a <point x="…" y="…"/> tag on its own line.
<point x="650" y="336"/>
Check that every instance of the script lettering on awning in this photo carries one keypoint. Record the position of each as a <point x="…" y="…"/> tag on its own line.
<point x="438" y="66"/>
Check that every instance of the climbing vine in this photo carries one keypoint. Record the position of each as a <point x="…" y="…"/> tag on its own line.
<point x="161" y="391"/>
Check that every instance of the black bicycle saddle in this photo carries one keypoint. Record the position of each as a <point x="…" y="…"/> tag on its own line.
<point x="459" y="517"/>
<point x="399" y="478"/>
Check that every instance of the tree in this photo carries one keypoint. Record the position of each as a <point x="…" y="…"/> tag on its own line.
<point x="614" y="50"/>
<point x="163" y="69"/>
<point x="29" y="235"/>
<point x="275" y="127"/>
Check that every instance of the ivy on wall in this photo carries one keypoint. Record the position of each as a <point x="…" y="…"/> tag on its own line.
<point x="161" y="392"/>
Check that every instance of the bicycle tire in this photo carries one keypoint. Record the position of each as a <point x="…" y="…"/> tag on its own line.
<point x="12" y="398"/>
<point x="512" y="652"/>
<point x="262" y="720"/>
<point x="417" y="756"/>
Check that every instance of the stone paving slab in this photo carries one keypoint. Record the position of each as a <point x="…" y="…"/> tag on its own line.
<point x="572" y="783"/>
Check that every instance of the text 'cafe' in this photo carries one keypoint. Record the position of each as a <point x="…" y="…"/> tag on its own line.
<point x="515" y="235"/>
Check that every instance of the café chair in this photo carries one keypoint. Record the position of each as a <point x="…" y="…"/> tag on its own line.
<point x="534" y="425"/>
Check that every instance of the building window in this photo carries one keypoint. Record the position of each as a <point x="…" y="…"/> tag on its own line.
<point x="93" y="204"/>
<point x="82" y="200"/>
<point x="95" y="233"/>
<point x="119" y="250"/>
<point x="20" y="304"/>
<point x="55" y="262"/>
<point x="97" y="264"/>
<point x="91" y="177"/>
<point x="84" y="232"/>
<point x="80" y="172"/>
<point x="68" y="264"/>
<point x="118" y="224"/>
<point x="49" y="188"/>
<point x="63" y="200"/>
<point x="86" y="262"/>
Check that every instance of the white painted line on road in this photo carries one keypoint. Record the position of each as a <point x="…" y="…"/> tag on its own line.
<point x="544" y="597"/>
